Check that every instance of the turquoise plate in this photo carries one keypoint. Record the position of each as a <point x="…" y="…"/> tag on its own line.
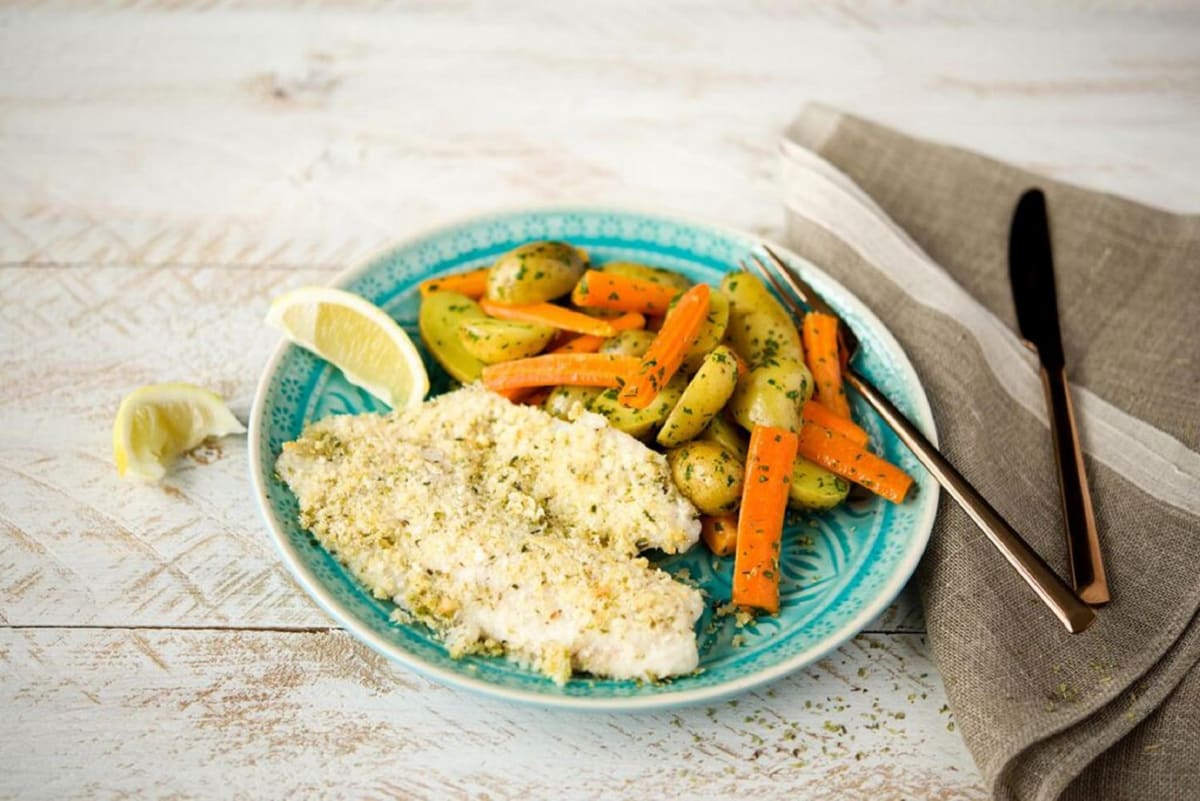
<point x="839" y="569"/>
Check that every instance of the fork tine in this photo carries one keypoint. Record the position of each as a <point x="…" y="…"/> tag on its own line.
<point x="802" y="289"/>
<point x="847" y="341"/>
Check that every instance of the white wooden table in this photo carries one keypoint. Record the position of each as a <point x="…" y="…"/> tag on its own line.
<point x="169" y="167"/>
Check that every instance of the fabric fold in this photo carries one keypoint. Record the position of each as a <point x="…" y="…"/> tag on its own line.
<point x="919" y="232"/>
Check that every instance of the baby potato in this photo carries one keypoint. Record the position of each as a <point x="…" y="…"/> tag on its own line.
<point x="638" y="422"/>
<point x="771" y="395"/>
<point x="628" y="343"/>
<point x="703" y="399"/>
<point x="814" y="487"/>
<point x="562" y="400"/>
<point x="708" y="475"/>
<point x="727" y="435"/>
<point x="491" y="340"/>
<point x="746" y="292"/>
<point x="439" y="319"/>
<point x="763" y="339"/>
<point x="759" y="327"/>
<point x="534" y="273"/>
<point x="715" y="324"/>
<point x="647" y="273"/>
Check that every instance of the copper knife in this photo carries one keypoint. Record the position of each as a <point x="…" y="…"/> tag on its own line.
<point x="1031" y="272"/>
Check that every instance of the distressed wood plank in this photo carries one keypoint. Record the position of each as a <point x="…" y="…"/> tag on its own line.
<point x="192" y="132"/>
<point x="80" y="546"/>
<point x="180" y="135"/>
<point x="181" y="714"/>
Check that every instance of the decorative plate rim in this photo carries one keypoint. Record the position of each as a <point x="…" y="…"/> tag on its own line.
<point x="885" y="594"/>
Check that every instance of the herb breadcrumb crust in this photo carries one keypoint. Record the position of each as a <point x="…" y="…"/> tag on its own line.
<point x="507" y="530"/>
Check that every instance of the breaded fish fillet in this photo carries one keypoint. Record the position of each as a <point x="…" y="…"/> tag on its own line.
<point x="507" y="530"/>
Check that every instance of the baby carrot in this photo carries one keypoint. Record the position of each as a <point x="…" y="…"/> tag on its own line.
<point x="665" y="355"/>
<point x="581" y="343"/>
<point x="584" y="343"/>
<point x="760" y="525"/>
<point x="838" y="454"/>
<point x="473" y="284"/>
<point x="551" y="315"/>
<point x="814" y="412"/>
<point x="551" y="369"/>
<point x="515" y="394"/>
<point x="621" y="292"/>
<point x="821" y="353"/>
<point x="589" y="343"/>
<point x="719" y="533"/>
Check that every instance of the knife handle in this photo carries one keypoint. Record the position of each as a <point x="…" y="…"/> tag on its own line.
<point x="1074" y="614"/>
<point x="1083" y="543"/>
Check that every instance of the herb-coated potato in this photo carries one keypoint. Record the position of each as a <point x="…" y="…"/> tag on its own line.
<point x="703" y="399"/>
<point x="814" y="487"/>
<point x="746" y="292"/>
<point x="762" y="339"/>
<point x="771" y="395"/>
<point x="628" y="343"/>
<point x="715" y="324"/>
<point x="638" y="422"/>
<point x="439" y="319"/>
<point x="645" y="272"/>
<point x="534" y="273"/>
<point x="561" y="400"/>
<point x="491" y="340"/>
<point x="760" y="329"/>
<point x="727" y="435"/>
<point x="708" y="475"/>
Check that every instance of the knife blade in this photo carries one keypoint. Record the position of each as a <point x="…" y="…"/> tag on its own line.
<point x="1031" y="273"/>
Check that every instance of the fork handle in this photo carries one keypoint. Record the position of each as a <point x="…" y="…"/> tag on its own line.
<point x="1066" y="605"/>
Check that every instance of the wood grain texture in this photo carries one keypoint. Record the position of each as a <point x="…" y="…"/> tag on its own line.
<point x="81" y="546"/>
<point x="311" y="715"/>
<point x="169" y="166"/>
<point x="163" y="133"/>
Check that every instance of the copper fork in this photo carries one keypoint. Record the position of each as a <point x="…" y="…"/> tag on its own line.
<point x="1074" y="614"/>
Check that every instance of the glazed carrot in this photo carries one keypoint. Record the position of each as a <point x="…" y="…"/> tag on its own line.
<point x="629" y="321"/>
<point x="818" y="413"/>
<point x="551" y="315"/>
<point x="551" y="369"/>
<point x="584" y="343"/>
<point x="577" y="343"/>
<point x="665" y="355"/>
<point x="588" y="343"/>
<point x="473" y="284"/>
<point x="760" y="526"/>
<point x="515" y="394"/>
<point x="621" y="292"/>
<point x="821" y="353"/>
<point x="719" y="533"/>
<point x="838" y="454"/>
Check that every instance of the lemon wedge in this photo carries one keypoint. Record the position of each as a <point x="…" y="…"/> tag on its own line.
<point x="156" y="423"/>
<point x="359" y="338"/>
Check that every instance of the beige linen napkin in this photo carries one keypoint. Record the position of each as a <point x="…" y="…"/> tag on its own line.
<point x="919" y="231"/>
